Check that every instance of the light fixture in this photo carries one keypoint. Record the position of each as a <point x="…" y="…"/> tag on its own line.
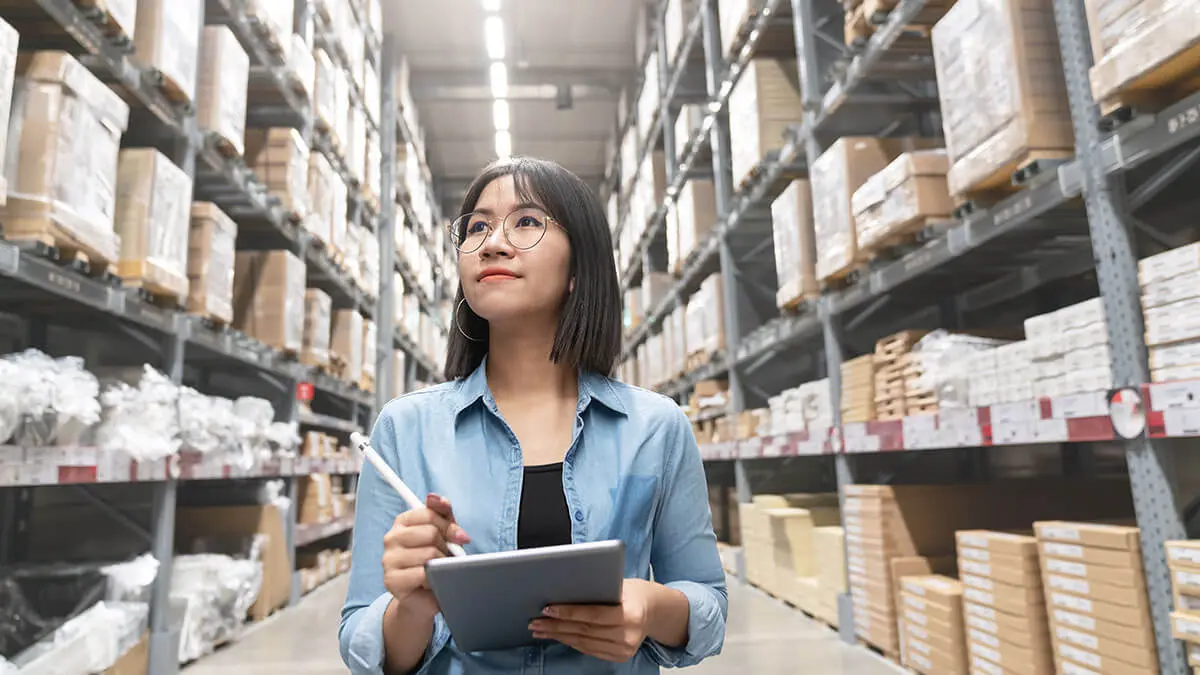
<point x="500" y="116"/>
<point x="499" y="78"/>
<point x="503" y="144"/>
<point x="493" y="37"/>
<point x="491" y="5"/>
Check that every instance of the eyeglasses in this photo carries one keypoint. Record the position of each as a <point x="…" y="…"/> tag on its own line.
<point x="523" y="229"/>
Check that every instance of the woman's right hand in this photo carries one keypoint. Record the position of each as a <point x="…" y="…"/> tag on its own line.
<point x="418" y="536"/>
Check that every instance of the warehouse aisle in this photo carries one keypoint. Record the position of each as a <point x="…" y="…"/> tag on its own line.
<point x="764" y="637"/>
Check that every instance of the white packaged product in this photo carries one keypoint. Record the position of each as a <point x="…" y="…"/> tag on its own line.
<point x="55" y="399"/>
<point x="153" y="217"/>
<point x="90" y="642"/>
<point x="217" y="591"/>
<point x="140" y="421"/>
<point x="167" y="39"/>
<point x="221" y="99"/>
<point x="8" y="64"/>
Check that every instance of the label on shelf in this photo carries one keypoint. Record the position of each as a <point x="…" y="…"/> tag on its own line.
<point x="1092" y="404"/>
<point x="1168" y="395"/>
<point x="1051" y="431"/>
<point x="1021" y="411"/>
<point x="1181" y="421"/>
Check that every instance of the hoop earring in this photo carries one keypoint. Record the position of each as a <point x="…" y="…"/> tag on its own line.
<point x="458" y="325"/>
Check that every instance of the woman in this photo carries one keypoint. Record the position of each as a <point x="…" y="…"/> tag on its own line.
<point x="535" y="446"/>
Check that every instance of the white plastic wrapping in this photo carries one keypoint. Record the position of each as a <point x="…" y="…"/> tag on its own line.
<point x="369" y="258"/>
<point x="941" y="356"/>
<point x="1134" y="39"/>
<point x="304" y="67"/>
<point x="167" y="39"/>
<point x="154" y="199"/>
<point x="130" y="581"/>
<point x="221" y="99"/>
<point x="140" y="421"/>
<point x="325" y="90"/>
<point x="55" y="399"/>
<point x="88" y="643"/>
<point x="217" y="591"/>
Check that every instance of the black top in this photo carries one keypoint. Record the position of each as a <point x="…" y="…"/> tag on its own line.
<point x="544" y="518"/>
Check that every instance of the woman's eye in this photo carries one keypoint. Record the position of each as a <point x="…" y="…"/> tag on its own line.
<point x="528" y="221"/>
<point x="477" y="227"/>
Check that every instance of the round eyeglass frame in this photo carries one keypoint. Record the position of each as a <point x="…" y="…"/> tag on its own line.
<point x="546" y="219"/>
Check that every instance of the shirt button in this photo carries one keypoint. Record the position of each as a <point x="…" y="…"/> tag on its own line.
<point x="532" y="657"/>
<point x="579" y="516"/>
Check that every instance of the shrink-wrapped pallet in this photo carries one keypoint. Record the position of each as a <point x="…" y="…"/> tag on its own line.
<point x="221" y="98"/>
<point x="763" y="104"/>
<point x="153" y="206"/>
<point x="325" y="97"/>
<point x="210" y="263"/>
<point x="369" y="348"/>
<point x="302" y="66"/>
<point x="347" y="342"/>
<point x="321" y="180"/>
<point x="795" y="245"/>
<point x="399" y="373"/>
<point x="1002" y="91"/>
<point x="318" y="327"/>
<point x="167" y="40"/>
<point x="695" y="213"/>
<point x="8" y="67"/>
<point x="64" y="138"/>
<point x="280" y="159"/>
<point x="268" y="298"/>
<point x="276" y="17"/>
<point x="902" y="199"/>
<point x="1147" y="52"/>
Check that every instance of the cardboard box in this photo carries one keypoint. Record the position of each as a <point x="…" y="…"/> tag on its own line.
<point x="1025" y="574"/>
<point x="221" y="97"/>
<point x="1141" y="636"/>
<point x="1117" y="595"/>
<point x="369" y="349"/>
<point x="322" y="193"/>
<point x="763" y="104"/>
<point x="280" y="159"/>
<point x="8" y="65"/>
<point x="928" y="660"/>
<point x="67" y="125"/>
<point x="1116" y="537"/>
<point x="695" y="215"/>
<point x="168" y="41"/>
<point x="1091" y="556"/>
<point x="268" y="294"/>
<point x="152" y="217"/>
<point x="795" y="245"/>
<point x="1133" y="617"/>
<point x="704" y="318"/>
<point x="212" y="239"/>
<point x="1071" y="657"/>
<point x="318" y="326"/>
<point x="991" y="130"/>
<point x="902" y="198"/>
<point x="1005" y="598"/>
<point x="1002" y="543"/>
<point x="1123" y="577"/>
<point x="346" y="343"/>
<point x="1169" y="264"/>
<point x="1012" y="659"/>
<point x="1030" y="630"/>
<point x="1146" y="657"/>
<point x="1142" y="51"/>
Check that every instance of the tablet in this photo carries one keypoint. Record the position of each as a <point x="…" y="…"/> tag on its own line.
<point x="489" y="599"/>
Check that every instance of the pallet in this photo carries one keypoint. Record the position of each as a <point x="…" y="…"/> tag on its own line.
<point x="47" y="239"/>
<point x="97" y="12"/>
<point x="226" y="148"/>
<point x="1008" y="179"/>
<point x="794" y="303"/>
<point x="148" y="279"/>
<point x="881" y="651"/>
<point x="696" y="360"/>
<point x="170" y="88"/>
<point x="909" y="233"/>
<point x="1159" y="87"/>
<point x="210" y="321"/>
<point x="858" y="29"/>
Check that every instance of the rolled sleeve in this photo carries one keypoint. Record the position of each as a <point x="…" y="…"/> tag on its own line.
<point x="684" y="553"/>
<point x="362" y="642"/>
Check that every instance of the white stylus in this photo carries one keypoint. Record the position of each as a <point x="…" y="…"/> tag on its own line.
<point x="364" y="446"/>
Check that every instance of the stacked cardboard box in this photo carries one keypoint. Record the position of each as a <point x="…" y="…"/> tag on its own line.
<point x="693" y="216"/>
<point x="8" y="69"/>
<point x="167" y="40"/>
<point x="268" y="298"/>
<point x="153" y="207"/>
<point x="276" y="17"/>
<point x="835" y="176"/>
<point x="795" y="247"/>
<point x="991" y="131"/>
<point x="901" y="200"/>
<point x="1145" y="51"/>
<point x="210" y="263"/>
<point x="70" y="132"/>
<point x="221" y="98"/>
<point x="318" y="326"/>
<point x="317" y="444"/>
<point x="763" y="104"/>
<point x="1170" y="296"/>
<point x="321" y="180"/>
<point x="1007" y="625"/>
<point x="316" y="499"/>
<point x="1096" y="591"/>
<point x="705" y="322"/>
<point x="794" y="553"/>
<point x="1183" y="558"/>
<point x="346" y="345"/>
<point x="829" y="545"/>
<point x="932" y="625"/>
<point x="806" y="407"/>
<point x="324" y="91"/>
<point x="858" y="389"/>
<point x="280" y="159"/>
<point x="769" y="524"/>
<point x="891" y="390"/>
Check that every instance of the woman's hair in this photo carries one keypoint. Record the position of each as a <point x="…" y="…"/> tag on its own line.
<point x="589" y="328"/>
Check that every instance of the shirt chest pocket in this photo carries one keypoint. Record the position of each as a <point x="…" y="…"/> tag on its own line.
<point x="632" y="509"/>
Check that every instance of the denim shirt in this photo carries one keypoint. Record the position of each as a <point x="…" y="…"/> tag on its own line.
<point x="633" y="472"/>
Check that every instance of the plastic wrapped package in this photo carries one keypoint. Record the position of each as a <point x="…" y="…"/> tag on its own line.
<point x="284" y="438"/>
<point x="1002" y="91"/>
<point x="1151" y="46"/>
<point x="369" y="349"/>
<point x="372" y="177"/>
<point x="318" y="321"/>
<point x="281" y="159"/>
<point x="321" y="178"/>
<point x="269" y="298"/>
<point x="56" y="399"/>
<point x="303" y="67"/>
<point x="324" y="91"/>
<point x="371" y="93"/>
<point x="346" y="343"/>
<point x="217" y="591"/>
<point x="399" y="373"/>
<point x="61" y="166"/>
<point x="88" y="643"/>
<point x="763" y="104"/>
<point x="795" y="248"/>
<point x="153" y="206"/>
<point x="10" y="403"/>
<point x="351" y="251"/>
<point x="369" y="257"/>
<point x="341" y="110"/>
<point x="412" y="316"/>
<point x="939" y="357"/>
<point x="278" y="17"/>
<point x="356" y="143"/>
<point x="199" y="423"/>
<point x="221" y="98"/>
<point x="167" y="40"/>
<point x="337" y="214"/>
<point x="696" y="209"/>
<point x="131" y="581"/>
<point x="8" y="67"/>
<point x="140" y="421"/>
<point x="902" y="198"/>
<point x="398" y="307"/>
<point x="210" y="263"/>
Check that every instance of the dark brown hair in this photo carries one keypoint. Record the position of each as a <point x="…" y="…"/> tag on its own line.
<point x="589" y="326"/>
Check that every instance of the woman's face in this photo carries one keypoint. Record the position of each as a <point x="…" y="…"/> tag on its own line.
<point x="503" y="282"/>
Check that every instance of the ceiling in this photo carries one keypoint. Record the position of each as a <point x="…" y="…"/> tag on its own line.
<point x="586" y="46"/>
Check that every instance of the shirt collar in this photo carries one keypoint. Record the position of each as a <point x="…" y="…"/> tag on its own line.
<point x="592" y="387"/>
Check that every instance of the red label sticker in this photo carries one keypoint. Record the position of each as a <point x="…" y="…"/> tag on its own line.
<point x="304" y="391"/>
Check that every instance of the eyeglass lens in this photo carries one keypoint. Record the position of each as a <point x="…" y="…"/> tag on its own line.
<point x="522" y="228"/>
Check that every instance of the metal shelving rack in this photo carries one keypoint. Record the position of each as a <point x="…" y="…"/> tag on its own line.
<point x="1073" y="220"/>
<point x="45" y="295"/>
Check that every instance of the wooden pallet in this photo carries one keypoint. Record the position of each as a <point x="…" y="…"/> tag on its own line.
<point x="794" y="303"/>
<point x="1008" y="179"/>
<point x="170" y="88"/>
<point x="897" y="345"/>
<point x="98" y="13"/>
<point x="900" y="236"/>
<point x="48" y="239"/>
<point x="857" y="28"/>
<point x="156" y="285"/>
<point x="225" y="147"/>
<point x="367" y="383"/>
<point x="1169" y="82"/>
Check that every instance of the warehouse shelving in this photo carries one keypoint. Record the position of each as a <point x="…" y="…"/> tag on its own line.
<point x="1068" y="221"/>
<point x="48" y="293"/>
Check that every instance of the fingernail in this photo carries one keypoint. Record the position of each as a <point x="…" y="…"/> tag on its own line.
<point x="539" y="636"/>
<point x="535" y="626"/>
<point x="550" y="611"/>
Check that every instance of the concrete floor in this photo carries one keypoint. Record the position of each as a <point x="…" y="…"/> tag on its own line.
<point x="763" y="637"/>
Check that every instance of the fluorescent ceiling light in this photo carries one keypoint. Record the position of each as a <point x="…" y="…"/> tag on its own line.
<point x="500" y="116"/>
<point x="491" y="5"/>
<point x="493" y="37"/>
<point x="499" y="78"/>
<point x="503" y="144"/>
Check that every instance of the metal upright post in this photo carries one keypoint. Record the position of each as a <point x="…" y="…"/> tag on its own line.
<point x="714" y="72"/>
<point x="664" y="109"/>
<point x="386" y="318"/>
<point x="1155" y="494"/>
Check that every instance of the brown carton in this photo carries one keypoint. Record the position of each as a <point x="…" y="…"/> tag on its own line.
<point x="1116" y="537"/>
<point x="1011" y="658"/>
<point x="1142" y="636"/>
<point x="795" y="245"/>
<point x="1004" y="543"/>
<point x="210" y="263"/>
<point x="1030" y="630"/>
<point x="902" y="198"/>
<point x="1146" y="657"/>
<point x="318" y="327"/>
<point x="1091" y="556"/>
<point x="268" y="298"/>
<point x="1133" y="617"/>
<point x="346" y="343"/>
<point x="153" y="207"/>
<point x="167" y="40"/>
<point x="763" y="104"/>
<point x="1145" y="50"/>
<point x="221" y="97"/>
<point x="280" y="159"/>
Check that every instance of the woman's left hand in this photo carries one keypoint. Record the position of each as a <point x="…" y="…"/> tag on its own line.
<point x="611" y="633"/>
